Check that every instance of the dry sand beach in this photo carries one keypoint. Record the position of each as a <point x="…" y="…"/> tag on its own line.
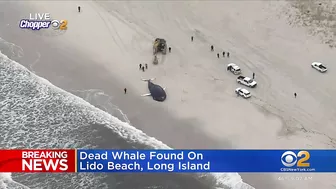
<point x="105" y="43"/>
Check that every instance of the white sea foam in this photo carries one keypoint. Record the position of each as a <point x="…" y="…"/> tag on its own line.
<point x="103" y="101"/>
<point x="125" y="130"/>
<point x="4" y="179"/>
<point x="6" y="182"/>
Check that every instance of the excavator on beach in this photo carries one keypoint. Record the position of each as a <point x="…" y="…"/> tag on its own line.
<point x="160" y="45"/>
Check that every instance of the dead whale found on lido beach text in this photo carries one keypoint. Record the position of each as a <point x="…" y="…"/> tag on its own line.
<point x="148" y="161"/>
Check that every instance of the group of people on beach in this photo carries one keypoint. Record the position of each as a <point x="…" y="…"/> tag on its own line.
<point x="212" y="48"/>
<point x="143" y="67"/>
<point x="227" y="53"/>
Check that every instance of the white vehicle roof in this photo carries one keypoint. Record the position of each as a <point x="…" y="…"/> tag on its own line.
<point x="243" y="90"/>
<point x="234" y="65"/>
<point x="317" y="63"/>
<point x="247" y="78"/>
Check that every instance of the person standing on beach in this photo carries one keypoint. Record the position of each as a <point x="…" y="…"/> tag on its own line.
<point x="140" y="66"/>
<point x="253" y="75"/>
<point x="217" y="55"/>
<point x="212" y="48"/>
<point x="79" y="8"/>
<point x="192" y="38"/>
<point x="125" y="90"/>
<point x="143" y="68"/>
<point x="146" y="65"/>
<point x="223" y="53"/>
<point x="228" y="54"/>
<point x="295" y="95"/>
<point x="169" y="49"/>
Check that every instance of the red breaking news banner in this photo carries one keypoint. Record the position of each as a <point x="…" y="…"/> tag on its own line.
<point x="37" y="160"/>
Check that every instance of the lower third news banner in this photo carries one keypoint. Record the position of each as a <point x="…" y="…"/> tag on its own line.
<point x="67" y="160"/>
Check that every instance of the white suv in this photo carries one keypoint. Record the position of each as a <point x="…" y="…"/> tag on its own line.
<point x="233" y="68"/>
<point x="243" y="92"/>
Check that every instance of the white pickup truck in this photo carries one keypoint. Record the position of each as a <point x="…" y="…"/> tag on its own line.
<point x="246" y="81"/>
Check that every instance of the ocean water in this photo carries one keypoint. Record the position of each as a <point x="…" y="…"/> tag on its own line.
<point x="37" y="114"/>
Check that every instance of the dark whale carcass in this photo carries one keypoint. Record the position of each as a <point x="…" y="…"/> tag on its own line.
<point x="156" y="91"/>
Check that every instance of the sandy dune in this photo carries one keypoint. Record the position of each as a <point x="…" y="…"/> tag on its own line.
<point x="260" y="40"/>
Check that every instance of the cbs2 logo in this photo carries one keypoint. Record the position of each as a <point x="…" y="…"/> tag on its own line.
<point x="62" y="25"/>
<point x="290" y="159"/>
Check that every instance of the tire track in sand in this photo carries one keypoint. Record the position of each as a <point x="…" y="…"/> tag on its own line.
<point x="113" y="32"/>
